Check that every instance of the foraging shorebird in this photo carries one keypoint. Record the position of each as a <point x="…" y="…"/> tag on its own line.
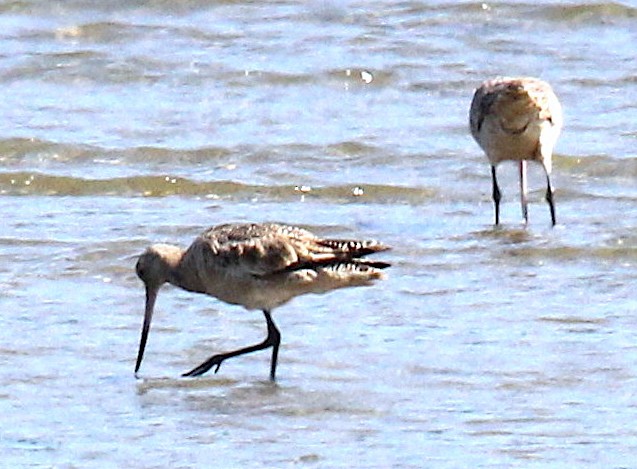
<point x="517" y="119"/>
<point x="257" y="266"/>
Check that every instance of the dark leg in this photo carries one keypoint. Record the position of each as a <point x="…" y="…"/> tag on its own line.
<point x="549" y="198"/>
<point x="496" y="195"/>
<point x="274" y="333"/>
<point x="523" y="192"/>
<point x="272" y="340"/>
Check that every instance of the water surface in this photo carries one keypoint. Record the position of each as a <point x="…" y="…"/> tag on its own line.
<point x="123" y="125"/>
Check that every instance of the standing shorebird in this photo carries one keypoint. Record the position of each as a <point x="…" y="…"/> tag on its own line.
<point x="257" y="266"/>
<point x="517" y="119"/>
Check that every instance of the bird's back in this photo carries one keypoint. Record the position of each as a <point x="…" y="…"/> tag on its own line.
<point x="516" y="118"/>
<point x="261" y="266"/>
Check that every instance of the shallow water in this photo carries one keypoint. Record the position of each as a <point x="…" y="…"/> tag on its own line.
<point x="124" y="125"/>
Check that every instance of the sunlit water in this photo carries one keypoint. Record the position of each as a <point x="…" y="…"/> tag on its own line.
<point x="122" y="126"/>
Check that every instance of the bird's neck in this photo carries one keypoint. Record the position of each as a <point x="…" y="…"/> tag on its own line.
<point x="172" y="259"/>
<point x="183" y="277"/>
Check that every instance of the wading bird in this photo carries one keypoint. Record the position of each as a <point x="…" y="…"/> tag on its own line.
<point x="517" y="119"/>
<point x="257" y="266"/>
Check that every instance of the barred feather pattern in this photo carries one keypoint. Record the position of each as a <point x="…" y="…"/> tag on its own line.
<point x="516" y="119"/>
<point x="261" y="266"/>
<point x="257" y="266"/>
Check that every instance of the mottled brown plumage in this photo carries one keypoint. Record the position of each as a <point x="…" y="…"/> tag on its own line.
<point x="517" y="119"/>
<point x="258" y="266"/>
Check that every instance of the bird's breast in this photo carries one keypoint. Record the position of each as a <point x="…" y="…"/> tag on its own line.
<point x="251" y="292"/>
<point x="511" y="139"/>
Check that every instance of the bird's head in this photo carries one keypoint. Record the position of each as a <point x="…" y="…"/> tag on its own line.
<point x="154" y="268"/>
<point x="156" y="263"/>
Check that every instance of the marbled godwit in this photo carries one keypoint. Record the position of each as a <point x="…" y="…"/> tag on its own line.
<point x="517" y="119"/>
<point x="257" y="266"/>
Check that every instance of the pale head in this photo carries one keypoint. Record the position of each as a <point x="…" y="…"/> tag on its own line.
<point x="157" y="262"/>
<point x="513" y="108"/>
<point x="154" y="268"/>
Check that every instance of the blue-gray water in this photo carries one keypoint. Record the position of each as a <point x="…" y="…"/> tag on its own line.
<point x="122" y="125"/>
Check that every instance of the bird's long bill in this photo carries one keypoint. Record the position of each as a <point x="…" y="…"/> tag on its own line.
<point x="151" y="296"/>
